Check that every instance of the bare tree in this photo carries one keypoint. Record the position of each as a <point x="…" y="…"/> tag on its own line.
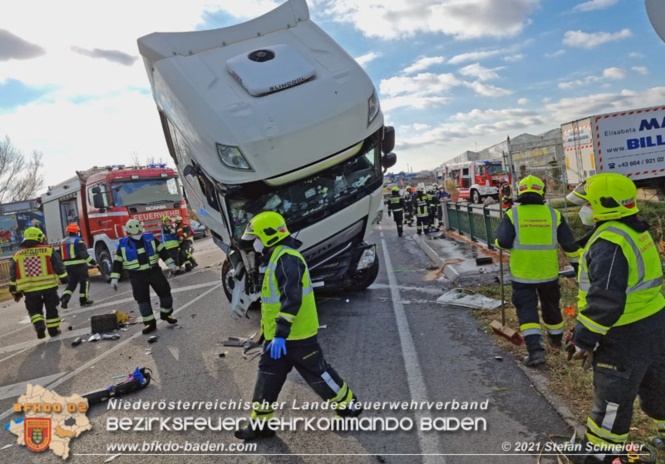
<point x="149" y="159"/>
<point x="20" y="179"/>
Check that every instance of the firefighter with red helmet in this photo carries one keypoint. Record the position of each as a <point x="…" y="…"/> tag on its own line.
<point x="139" y="254"/>
<point x="74" y="254"/>
<point x="34" y="273"/>
<point x="185" y="237"/>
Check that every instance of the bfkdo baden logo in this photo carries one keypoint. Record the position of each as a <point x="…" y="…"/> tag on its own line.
<point x="37" y="433"/>
<point x="50" y="421"/>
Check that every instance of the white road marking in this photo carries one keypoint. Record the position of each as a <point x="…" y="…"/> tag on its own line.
<point x="112" y="349"/>
<point x="18" y="389"/>
<point x="429" y="442"/>
<point x="35" y="341"/>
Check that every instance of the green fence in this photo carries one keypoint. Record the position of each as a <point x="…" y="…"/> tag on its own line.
<point x="478" y="222"/>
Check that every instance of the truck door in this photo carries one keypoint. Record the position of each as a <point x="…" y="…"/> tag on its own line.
<point x="68" y="213"/>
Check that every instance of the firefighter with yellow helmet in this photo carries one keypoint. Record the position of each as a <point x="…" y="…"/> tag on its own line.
<point x="532" y="231"/>
<point x="34" y="273"/>
<point x="139" y="254"/>
<point x="289" y="324"/>
<point x="396" y="207"/>
<point x="620" y="322"/>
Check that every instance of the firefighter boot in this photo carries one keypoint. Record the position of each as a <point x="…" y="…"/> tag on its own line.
<point x="534" y="345"/>
<point x="168" y="317"/>
<point x="556" y="341"/>
<point x="41" y="331"/>
<point x="53" y="331"/>
<point x="85" y="302"/>
<point x="64" y="299"/>
<point x="252" y="433"/>
<point x="150" y="326"/>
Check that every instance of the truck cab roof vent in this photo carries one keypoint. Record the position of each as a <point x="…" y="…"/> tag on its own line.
<point x="270" y="69"/>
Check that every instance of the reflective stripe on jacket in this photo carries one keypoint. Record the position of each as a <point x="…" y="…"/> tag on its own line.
<point x="305" y="323"/>
<point x="645" y="276"/>
<point x="534" y="257"/>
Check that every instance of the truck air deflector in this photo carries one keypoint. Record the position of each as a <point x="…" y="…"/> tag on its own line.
<point x="270" y="69"/>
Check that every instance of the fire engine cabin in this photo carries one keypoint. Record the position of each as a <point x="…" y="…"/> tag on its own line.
<point x="477" y="180"/>
<point x="102" y="200"/>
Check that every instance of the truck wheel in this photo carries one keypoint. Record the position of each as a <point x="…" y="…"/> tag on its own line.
<point x="105" y="263"/>
<point x="360" y="280"/>
<point x="228" y="282"/>
<point x="475" y="197"/>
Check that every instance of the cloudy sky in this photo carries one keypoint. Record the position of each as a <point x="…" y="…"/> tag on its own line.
<point x="452" y="75"/>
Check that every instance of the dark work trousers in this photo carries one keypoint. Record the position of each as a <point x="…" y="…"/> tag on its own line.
<point x="141" y="282"/>
<point x="629" y="361"/>
<point x="306" y="356"/>
<point x="186" y="256"/>
<point x="399" y="219"/>
<point x="78" y="275"/>
<point x="174" y="254"/>
<point x="525" y="298"/>
<point x="439" y="213"/>
<point x="432" y="216"/>
<point x="422" y="224"/>
<point x="35" y="302"/>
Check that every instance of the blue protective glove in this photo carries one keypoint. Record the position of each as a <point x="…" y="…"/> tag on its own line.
<point x="277" y="347"/>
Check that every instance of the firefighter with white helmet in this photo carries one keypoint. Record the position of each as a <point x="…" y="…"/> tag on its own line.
<point x="289" y="324"/>
<point x="34" y="272"/>
<point x="620" y="322"/>
<point x="396" y="207"/>
<point x="170" y="241"/>
<point x="139" y="255"/>
<point x="186" y="246"/>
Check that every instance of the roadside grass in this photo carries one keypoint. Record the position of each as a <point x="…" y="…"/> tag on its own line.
<point x="566" y="379"/>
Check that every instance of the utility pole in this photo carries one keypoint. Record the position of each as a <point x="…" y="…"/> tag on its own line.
<point x="513" y="182"/>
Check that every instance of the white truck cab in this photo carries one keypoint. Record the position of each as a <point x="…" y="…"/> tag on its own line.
<point x="273" y="114"/>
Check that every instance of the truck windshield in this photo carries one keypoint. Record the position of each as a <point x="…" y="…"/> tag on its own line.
<point x="494" y="169"/>
<point x="311" y="199"/>
<point x="145" y="191"/>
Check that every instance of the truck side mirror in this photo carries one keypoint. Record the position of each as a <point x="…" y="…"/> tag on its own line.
<point x="388" y="142"/>
<point x="388" y="161"/>
<point x="96" y="189"/>
<point x="98" y="200"/>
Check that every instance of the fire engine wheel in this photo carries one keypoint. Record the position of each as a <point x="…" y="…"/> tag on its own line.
<point x="105" y="263"/>
<point x="475" y="197"/>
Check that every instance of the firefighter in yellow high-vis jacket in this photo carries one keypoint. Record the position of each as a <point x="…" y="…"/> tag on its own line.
<point x="289" y="323"/>
<point x="34" y="273"/>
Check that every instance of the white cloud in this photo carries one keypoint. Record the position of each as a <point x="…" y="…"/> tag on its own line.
<point x="423" y="63"/>
<point x="473" y="56"/>
<point x="420" y="84"/>
<point x="364" y="60"/>
<point x="462" y="19"/>
<point x="615" y="73"/>
<point x="479" y="72"/>
<point x="636" y="55"/>
<point x="416" y="102"/>
<point x="522" y="101"/>
<point x="641" y="70"/>
<point x="608" y="73"/>
<point x="513" y="58"/>
<point x="555" y="54"/>
<point x="595" y="5"/>
<point x="587" y="40"/>
<point x="487" y="90"/>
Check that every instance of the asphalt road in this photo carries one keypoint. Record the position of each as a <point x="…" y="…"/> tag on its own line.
<point x="391" y="343"/>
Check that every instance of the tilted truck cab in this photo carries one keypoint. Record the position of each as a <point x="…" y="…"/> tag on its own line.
<point x="273" y="114"/>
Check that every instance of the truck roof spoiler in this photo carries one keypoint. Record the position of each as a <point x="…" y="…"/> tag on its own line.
<point x="159" y="45"/>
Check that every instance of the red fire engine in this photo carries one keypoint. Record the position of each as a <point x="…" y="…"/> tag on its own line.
<point x="102" y="200"/>
<point x="477" y="180"/>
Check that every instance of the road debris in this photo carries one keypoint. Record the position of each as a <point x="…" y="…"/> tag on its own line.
<point x="77" y="341"/>
<point x="469" y="299"/>
<point x="153" y="339"/>
<point x="95" y="337"/>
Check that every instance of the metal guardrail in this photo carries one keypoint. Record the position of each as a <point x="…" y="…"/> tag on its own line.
<point x="478" y="222"/>
<point x="4" y="272"/>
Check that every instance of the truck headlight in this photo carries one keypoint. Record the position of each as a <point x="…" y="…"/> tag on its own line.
<point x="366" y="259"/>
<point x="232" y="157"/>
<point x="372" y="108"/>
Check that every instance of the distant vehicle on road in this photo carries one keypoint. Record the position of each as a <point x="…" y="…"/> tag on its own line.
<point x="200" y="231"/>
